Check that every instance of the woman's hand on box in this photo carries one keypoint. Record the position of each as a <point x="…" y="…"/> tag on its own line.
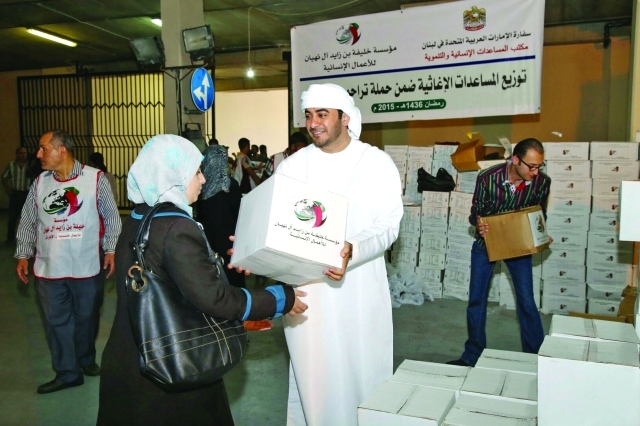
<point x="338" y="274"/>
<point x="239" y="269"/>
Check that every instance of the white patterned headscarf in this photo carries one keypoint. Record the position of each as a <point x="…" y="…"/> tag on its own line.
<point x="163" y="169"/>
<point x="335" y="97"/>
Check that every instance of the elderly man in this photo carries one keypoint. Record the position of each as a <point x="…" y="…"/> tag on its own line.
<point x="502" y="188"/>
<point x="69" y="211"/>
<point x="15" y="180"/>
<point x="342" y="348"/>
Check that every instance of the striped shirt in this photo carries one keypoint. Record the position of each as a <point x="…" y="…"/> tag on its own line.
<point x="18" y="176"/>
<point x="495" y="194"/>
<point x="26" y="236"/>
<point x="274" y="162"/>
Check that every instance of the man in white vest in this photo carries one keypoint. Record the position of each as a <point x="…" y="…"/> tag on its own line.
<point x="342" y="347"/>
<point x="69" y="221"/>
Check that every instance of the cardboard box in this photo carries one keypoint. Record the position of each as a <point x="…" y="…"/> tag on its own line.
<point x="570" y="255"/>
<point x="459" y="245"/>
<point x="441" y="376"/>
<point x="571" y="169"/>
<point x="564" y="271"/>
<point x="598" y="317"/>
<point x="604" y="222"/>
<point x="607" y="241"/>
<point x="569" y="204"/>
<point x="603" y="307"/>
<point x="567" y="222"/>
<point x="562" y="305"/>
<point x="432" y="199"/>
<point x="429" y="274"/>
<point x="603" y="258"/>
<point x="463" y="231"/>
<point x="629" y="211"/>
<point x="566" y="150"/>
<point x="460" y="201"/>
<point x="477" y="410"/>
<point x="582" y="382"/>
<point x="605" y="204"/>
<point x="454" y="290"/>
<point x="570" y="186"/>
<point x="502" y="385"/>
<point x="280" y="234"/>
<point x="404" y="258"/>
<point x="431" y="261"/>
<point x="614" y="151"/>
<point x="407" y="243"/>
<point x="402" y="404"/>
<point x="619" y="275"/>
<point x="605" y="187"/>
<point x="412" y="212"/>
<point x="436" y="165"/>
<point x="443" y="152"/>
<point x="592" y="329"/>
<point x="435" y="243"/>
<point x="516" y="362"/>
<point x="564" y="288"/>
<point x="605" y="292"/>
<point x="563" y="238"/>
<point x="410" y="227"/>
<point x="468" y="155"/>
<point x="617" y="170"/>
<point x="516" y="233"/>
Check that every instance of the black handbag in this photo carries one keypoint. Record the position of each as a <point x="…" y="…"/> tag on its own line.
<point x="181" y="348"/>
<point x="441" y="182"/>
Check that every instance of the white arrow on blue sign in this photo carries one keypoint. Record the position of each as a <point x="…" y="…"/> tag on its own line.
<point x="202" y="89"/>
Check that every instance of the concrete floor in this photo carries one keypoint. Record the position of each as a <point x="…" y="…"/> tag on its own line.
<point x="257" y="389"/>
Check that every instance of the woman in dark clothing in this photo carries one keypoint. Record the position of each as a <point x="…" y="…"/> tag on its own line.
<point x="167" y="169"/>
<point x="219" y="205"/>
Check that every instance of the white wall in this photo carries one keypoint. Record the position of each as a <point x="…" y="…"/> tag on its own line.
<point x="258" y="115"/>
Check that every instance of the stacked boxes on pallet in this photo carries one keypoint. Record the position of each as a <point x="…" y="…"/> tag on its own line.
<point x="460" y="237"/>
<point x="433" y="239"/>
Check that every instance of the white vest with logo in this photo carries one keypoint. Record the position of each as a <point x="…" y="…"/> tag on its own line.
<point x="68" y="232"/>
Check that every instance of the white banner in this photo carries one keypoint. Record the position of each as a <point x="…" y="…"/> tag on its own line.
<point x="448" y="60"/>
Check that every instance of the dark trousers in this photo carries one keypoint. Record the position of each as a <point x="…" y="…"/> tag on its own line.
<point x="531" y="332"/>
<point x="69" y="308"/>
<point x="16" y="202"/>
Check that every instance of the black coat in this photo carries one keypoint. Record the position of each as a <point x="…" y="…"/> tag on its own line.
<point x="176" y="251"/>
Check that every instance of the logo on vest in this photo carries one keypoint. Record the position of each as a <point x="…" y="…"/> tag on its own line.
<point x="62" y="201"/>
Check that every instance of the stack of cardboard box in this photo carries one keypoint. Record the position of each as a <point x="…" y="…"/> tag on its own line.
<point x="433" y="239"/>
<point x="461" y="234"/>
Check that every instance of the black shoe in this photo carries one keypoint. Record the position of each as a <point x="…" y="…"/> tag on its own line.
<point x="91" y="370"/>
<point x="459" y="362"/>
<point x="54" y="386"/>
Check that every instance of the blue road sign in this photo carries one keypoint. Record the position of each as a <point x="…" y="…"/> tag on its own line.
<point x="202" y="89"/>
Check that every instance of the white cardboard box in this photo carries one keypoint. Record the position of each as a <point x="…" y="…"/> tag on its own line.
<point x="556" y="151"/>
<point x="568" y="169"/>
<point x="503" y="385"/>
<point x="429" y="274"/>
<point x="454" y="290"/>
<point x="605" y="204"/>
<point x="562" y="305"/>
<point x="617" y="170"/>
<point x="442" y="376"/>
<point x="410" y="227"/>
<point x="477" y="410"/>
<point x="431" y="261"/>
<point x="443" y="152"/>
<point x="461" y="231"/>
<point x="434" y="216"/>
<point x="603" y="307"/>
<point x="517" y="362"/>
<point x="432" y="199"/>
<point x="461" y="201"/>
<point x="604" y="222"/>
<point x="567" y="222"/>
<point x="604" y="258"/>
<point x="605" y="292"/>
<point x="563" y="270"/>
<point x="570" y="255"/>
<point x="629" y="211"/>
<point x="413" y="213"/>
<point x="407" y="243"/>
<point x="564" y="238"/>
<point x="569" y="204"/>
<point x="614" y="151"/>
<point x="618" y="275"/>
<point x="582" y="382"/>
<point x="565" y="288"/>
<point x="605" y="187"/>
<point x="404" y="258"/>
<point x="403" y="404"/>
<point x="592" y="329"/>
<point x="570" y="186"/>
<point x="607" y="241"/>
<point x="433" y="243"/>
<point x="290" y="231"/>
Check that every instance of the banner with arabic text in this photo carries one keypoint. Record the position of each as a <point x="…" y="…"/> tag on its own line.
<point x="451" y="60"/>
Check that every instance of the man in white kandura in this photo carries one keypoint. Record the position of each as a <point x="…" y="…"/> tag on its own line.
<point x="342" y="347"/>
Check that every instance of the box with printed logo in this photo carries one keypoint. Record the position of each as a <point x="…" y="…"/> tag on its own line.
<point x="605" y="187"/>
<point x="614" y="151"/>
<point x="564" y="222"/>
<point x="570" y="186"/>
<point x="563" y="270"/>
<point x="460" y="201"/>
<point x="412" y="213"/>
<point x="603" y="307"/>
<point x="604" y="222"/>
<point x="429" y="274"/>
<point x="410" y="227"/>
<point x="619" y="275"/>
<point x="569" y="255"/>
<point x="605" y="204"/>
<point x="569" y="204"/>
<point x="290" y="231"/>
<point x="433" y="199"/>
<point x="562" y="305"/>
<point x="455" y="290"/>
<point x="564" y="288"/>
<point x="404" y="258"/>
<point x="629" y="211"/>
<point x="407" y="243"/>
<point x="568" y="169"/>
<point x="558" y="151"/>
<point x="607" y="241"/>
<point x="605" y="258"/>
<point x="618" y="170"/>
<point x="433" y="243"/>
<point x="431" y="261"/>
<point x="605" y="292"/>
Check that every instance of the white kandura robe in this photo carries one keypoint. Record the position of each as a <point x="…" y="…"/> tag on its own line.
<point x="342" y="346"/>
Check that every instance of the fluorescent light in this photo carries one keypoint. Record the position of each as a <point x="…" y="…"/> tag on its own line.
<point x="250" y="73"/>
<point x="157" y="21"/>
<point x="51" y="37"/>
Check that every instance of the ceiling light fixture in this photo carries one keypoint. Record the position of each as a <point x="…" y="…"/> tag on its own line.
<point x="157" y="21"/>
<point x="51" y="37"/>
<point x="250" y="72"/>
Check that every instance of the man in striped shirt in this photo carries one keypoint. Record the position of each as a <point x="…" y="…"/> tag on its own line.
<point x="297" y="141"/>
<point x="15" y="180"/>
<point x="502" y="188"/>
<point x="69" y="216"/>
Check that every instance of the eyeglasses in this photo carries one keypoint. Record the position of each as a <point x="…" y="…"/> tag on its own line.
<point x="532" y="167"/>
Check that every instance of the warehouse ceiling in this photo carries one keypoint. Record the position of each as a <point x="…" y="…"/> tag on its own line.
<point x="103" y="28"/>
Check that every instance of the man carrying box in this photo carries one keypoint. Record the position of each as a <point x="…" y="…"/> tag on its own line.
<point x="342" y="348"/>
<point x="514" y="185"/>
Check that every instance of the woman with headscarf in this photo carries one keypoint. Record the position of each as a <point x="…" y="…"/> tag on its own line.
<point x="219" y="205"/>
<point x="168" y="170"/>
